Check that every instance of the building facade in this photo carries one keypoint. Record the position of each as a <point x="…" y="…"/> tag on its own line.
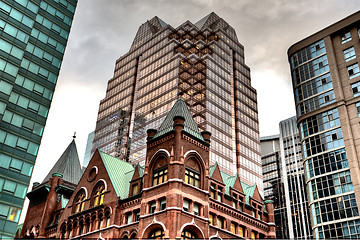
<point x="205" y="62"/>
<point x="273" y="184"/>
<point x="177" y="194"/>
<point x="33" y="37"/>
<point x="325" y="76"/>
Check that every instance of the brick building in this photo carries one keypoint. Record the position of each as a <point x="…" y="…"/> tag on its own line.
<point x="176" y="194"/>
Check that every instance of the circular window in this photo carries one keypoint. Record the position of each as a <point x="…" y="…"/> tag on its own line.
<point x="92" y="174"/>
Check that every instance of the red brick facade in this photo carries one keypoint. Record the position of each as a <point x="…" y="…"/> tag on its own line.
<point x="177" y="194"/>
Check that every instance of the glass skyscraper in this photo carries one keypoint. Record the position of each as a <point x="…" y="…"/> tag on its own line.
<point x="205" y="62"/>
<point x="33" y="37"/>
<point x="325" y="76"/>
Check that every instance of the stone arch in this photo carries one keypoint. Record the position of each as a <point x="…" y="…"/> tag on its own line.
<point x="152" y="226"/>
<point x="195" y="163"/>
<point x="160" y="153"/>
<point x="194" y="228"/>
<point x="124" y="235"/>
<point x="158" y="165"/>
<point x="134" y="233"/>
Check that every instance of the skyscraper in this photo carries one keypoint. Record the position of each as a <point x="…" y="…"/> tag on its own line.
<point x="87" y="154"/>
<point x="284" y="181"/>
<point x="205" y="62"/>
<point x="33" y="37"/>
<point x="326" y="79"/>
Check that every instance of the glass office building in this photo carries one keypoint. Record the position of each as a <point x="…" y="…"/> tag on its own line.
<point x="33" y="37"/>
<point x="205" y="62"/>
<point x="325" y="76"/>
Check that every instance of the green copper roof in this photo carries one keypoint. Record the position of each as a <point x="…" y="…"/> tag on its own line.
<point x="179" y="109"/>
<point x="229" y="181"/>
<point x="120" y="173"/>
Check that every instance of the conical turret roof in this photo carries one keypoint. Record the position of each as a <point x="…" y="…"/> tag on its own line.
<point x="68" y="165"/>
<point x="179" y="109"/>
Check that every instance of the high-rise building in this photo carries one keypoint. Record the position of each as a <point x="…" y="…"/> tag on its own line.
<point x="284" y="181"/>
<point x="293" y="179"/>
<point x="33" y="37"/>
<point x="273" y="184"/>
<point x="87" y="154"/>
<point x="326" y="79"/>
<point x="205" y="62"/>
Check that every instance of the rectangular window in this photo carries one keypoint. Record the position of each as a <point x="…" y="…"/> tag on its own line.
<point x="137" y="215"/>
<point x="152" y="207"/>
<point x="349" y="54"/>
<point x="356" y="89"/>
<point x="211" y="219"/>
<point x="219" y="197"/>
<point x="186" y="205"/>
<point x="159" y="176"/>
<point x="135" y="189"/>
<point x="163" y="204"/>
<point x="197" y="209"/>
<point x="220" y="222"/>
<point x="345" y="37"/>
<point x="241" y="231"/>
<point x="232" y="228"/>
<point x="358" y="108"/>
<point x="353" y="70"/>
<point x="128" y="217"/>
<point x="192" y="177"/>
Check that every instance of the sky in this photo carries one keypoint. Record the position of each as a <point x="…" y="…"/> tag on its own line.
<point x="103" y="31"/>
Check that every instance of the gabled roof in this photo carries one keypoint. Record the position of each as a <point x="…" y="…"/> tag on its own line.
<point x="179" y="109"/>
<point x="120" y="174"/>
<point x="68" y="165"/>
<point x="231" y="181"/>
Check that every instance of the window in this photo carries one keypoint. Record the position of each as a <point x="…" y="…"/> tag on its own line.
<point x="80" y="202"/>
<point x="137" y="215"/>
<point x="241" y="231"/>
<point x="81" y="227"/>
<point x="211" y="219"/>
<point x="212" y="193"/>
<point x="232" y="228"/>
<point x="188" y="235"/>
<point x="186" y="205"/>
<point x="219" y="197"/>
<point x="135" y="190"/>
<point x="345" y="37"/>
<point x="349" y="54"/>
<point x="107" y="219"/>
<point x="163" y="204"/>
<point x="87" y="222"/>
<point x="99" y="194"/>
<point x="353" y="70"/>
<point x="234" y="204"/>
<point x="157" y="234"/>
<point x="101" y="220"/>
<point x="220" y="222"/>
<point x="128" y="218"/>
<point x="160" y="176"/>
<point x="192" y="177"/>
<point x="356" y="89"/>
<point x="254" y="213"/>
<point x="197" y="209"/>
<point x="252" y="235"/>
<point x="358" y="108"/>
<point x="152" y="207"/>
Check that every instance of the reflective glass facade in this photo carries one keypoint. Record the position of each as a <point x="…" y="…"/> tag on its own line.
<point x="325" y="74"/>
<point x="33" y="37"/>
<point x="205" y="62"/>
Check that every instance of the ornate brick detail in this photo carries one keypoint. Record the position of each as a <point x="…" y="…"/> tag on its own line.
<point x="195" y="142"/>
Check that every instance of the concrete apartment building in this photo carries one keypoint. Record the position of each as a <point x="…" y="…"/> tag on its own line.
<point x="326" y="82"/>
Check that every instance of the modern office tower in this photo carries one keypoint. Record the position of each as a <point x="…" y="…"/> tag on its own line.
<point x="87" y="154"/>
<point x="205" y="62"/>
<point x="33" y="37"/>
<point x="326" y="79"/>
<point x="273" y="184"/>
<point x="284" y="181"/>
<point x="293" y="179"/>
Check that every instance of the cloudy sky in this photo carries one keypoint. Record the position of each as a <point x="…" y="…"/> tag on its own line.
<point x="102" y="31"/>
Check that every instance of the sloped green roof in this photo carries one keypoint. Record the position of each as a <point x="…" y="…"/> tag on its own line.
<point x="229" y="181"/>
<point x="179" y="109"/>
<point x="120" y="173"/>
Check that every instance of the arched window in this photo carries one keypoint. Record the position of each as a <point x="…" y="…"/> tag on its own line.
<point x="63" y="232"/>
<point x="81" y="227"/>
<point x="133" y="236"/>
<point x="87" y="225"/>
<point x="101" y="220"/>
<point x="192" y="172"/>
<point x="188" y="235"/>
<point x="157" y="234"/>
<point x="160" y="171"/>
<point x="80" y="201"/>
<point x="107" y="216"/>
<point x="99" y="194"/>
